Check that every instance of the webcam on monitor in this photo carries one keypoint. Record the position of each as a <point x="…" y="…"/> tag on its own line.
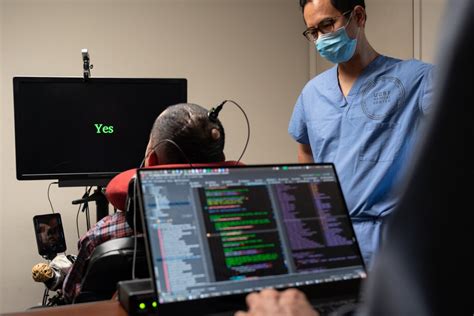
<point x="87" y="66"/>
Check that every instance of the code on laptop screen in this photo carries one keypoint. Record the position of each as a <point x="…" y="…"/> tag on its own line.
<point x="221" y="231"/>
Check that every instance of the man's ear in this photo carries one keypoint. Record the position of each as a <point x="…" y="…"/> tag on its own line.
<point x="151" y="160"/>
<point x="150" y="156"/>
<point x="360" y="15"/>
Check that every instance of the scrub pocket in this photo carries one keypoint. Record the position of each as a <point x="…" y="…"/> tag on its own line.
<point x="383" y="142"/>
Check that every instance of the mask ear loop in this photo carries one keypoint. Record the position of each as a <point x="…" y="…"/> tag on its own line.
<point x="358" y="27"/>
<point x="358" y="31"/>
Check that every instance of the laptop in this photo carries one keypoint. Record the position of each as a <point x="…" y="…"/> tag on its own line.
<point x="215" y="234"/>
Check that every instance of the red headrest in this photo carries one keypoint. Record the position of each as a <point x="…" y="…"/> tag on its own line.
<point x="117" y="189"/>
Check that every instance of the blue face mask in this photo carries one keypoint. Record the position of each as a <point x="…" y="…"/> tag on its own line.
<point x="337" y="47"/>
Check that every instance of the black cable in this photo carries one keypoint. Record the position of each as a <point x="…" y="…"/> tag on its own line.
<point x="77" y="221"/>
<point x="88" y="219"/>
<point x="246" y="119"/>
<point x="45" y="296"/>
<point x="135" y="241"/>
<point x="85" y="209"/>
<point x="214" y="112"/>
<point x="49" y="199"/>
<point x="86" y="194"/>
<point x="154" y="148"/>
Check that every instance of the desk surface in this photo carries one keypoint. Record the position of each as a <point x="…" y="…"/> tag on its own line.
<point x="105" y="308"/>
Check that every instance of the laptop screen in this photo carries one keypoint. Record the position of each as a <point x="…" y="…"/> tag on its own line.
<point x="221" y="231"/>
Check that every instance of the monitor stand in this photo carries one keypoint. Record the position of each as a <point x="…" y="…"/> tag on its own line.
<point x="101" y="203"/>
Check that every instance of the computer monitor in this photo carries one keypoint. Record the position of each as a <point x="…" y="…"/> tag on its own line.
<point x="85" y="132"/>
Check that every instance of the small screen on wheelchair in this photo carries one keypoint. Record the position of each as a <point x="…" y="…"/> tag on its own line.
<point x="49" y="234"/>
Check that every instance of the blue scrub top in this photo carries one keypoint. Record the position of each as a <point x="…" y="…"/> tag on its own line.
<point x="366" y="134"/>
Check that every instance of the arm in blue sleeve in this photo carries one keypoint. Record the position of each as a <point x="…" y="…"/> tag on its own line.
<point x="297" y="127"/>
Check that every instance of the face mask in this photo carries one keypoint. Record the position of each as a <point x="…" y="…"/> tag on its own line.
<point x="337" y="47"/>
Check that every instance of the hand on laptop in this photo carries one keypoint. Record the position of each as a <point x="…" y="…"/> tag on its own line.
<point x="270" y="302"/>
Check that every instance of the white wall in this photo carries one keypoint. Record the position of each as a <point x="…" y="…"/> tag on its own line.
<point x="244" y="50"/>
<point x="431" y="24"/>
<point x="1" y="155"/>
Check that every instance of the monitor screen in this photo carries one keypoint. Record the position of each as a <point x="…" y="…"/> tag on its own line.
<point x="69" y="129"/>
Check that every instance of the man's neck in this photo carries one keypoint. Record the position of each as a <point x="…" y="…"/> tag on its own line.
<point x="353" y="68"/>
<point x="348" y="72"/>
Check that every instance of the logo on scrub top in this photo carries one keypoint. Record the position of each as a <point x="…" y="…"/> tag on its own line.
<point x="382" y="97"/>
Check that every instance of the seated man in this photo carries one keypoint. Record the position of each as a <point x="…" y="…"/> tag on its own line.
<point x="182" y="134"/>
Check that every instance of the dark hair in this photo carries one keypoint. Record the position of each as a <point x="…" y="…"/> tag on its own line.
<point x="341" y="5"/>
<point x="188" y="126"/>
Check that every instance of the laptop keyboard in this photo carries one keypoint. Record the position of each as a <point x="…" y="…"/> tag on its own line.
<point x="326" y="308"/>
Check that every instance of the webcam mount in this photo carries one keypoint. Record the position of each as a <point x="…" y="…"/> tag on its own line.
<point x="87" y="66"/>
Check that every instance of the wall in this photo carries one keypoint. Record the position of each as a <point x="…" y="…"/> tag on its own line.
<point x="430" y="22"/>
<point x="244" y="50"/>
<point x="1" y="150"/>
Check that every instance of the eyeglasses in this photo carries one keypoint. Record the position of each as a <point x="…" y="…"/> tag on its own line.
<point x="324" y="27"/>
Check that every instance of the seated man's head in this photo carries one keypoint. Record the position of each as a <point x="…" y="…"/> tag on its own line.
<point x="183" y="133"/>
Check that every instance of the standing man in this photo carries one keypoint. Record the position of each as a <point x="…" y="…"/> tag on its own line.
<point x="362" y="114"/>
